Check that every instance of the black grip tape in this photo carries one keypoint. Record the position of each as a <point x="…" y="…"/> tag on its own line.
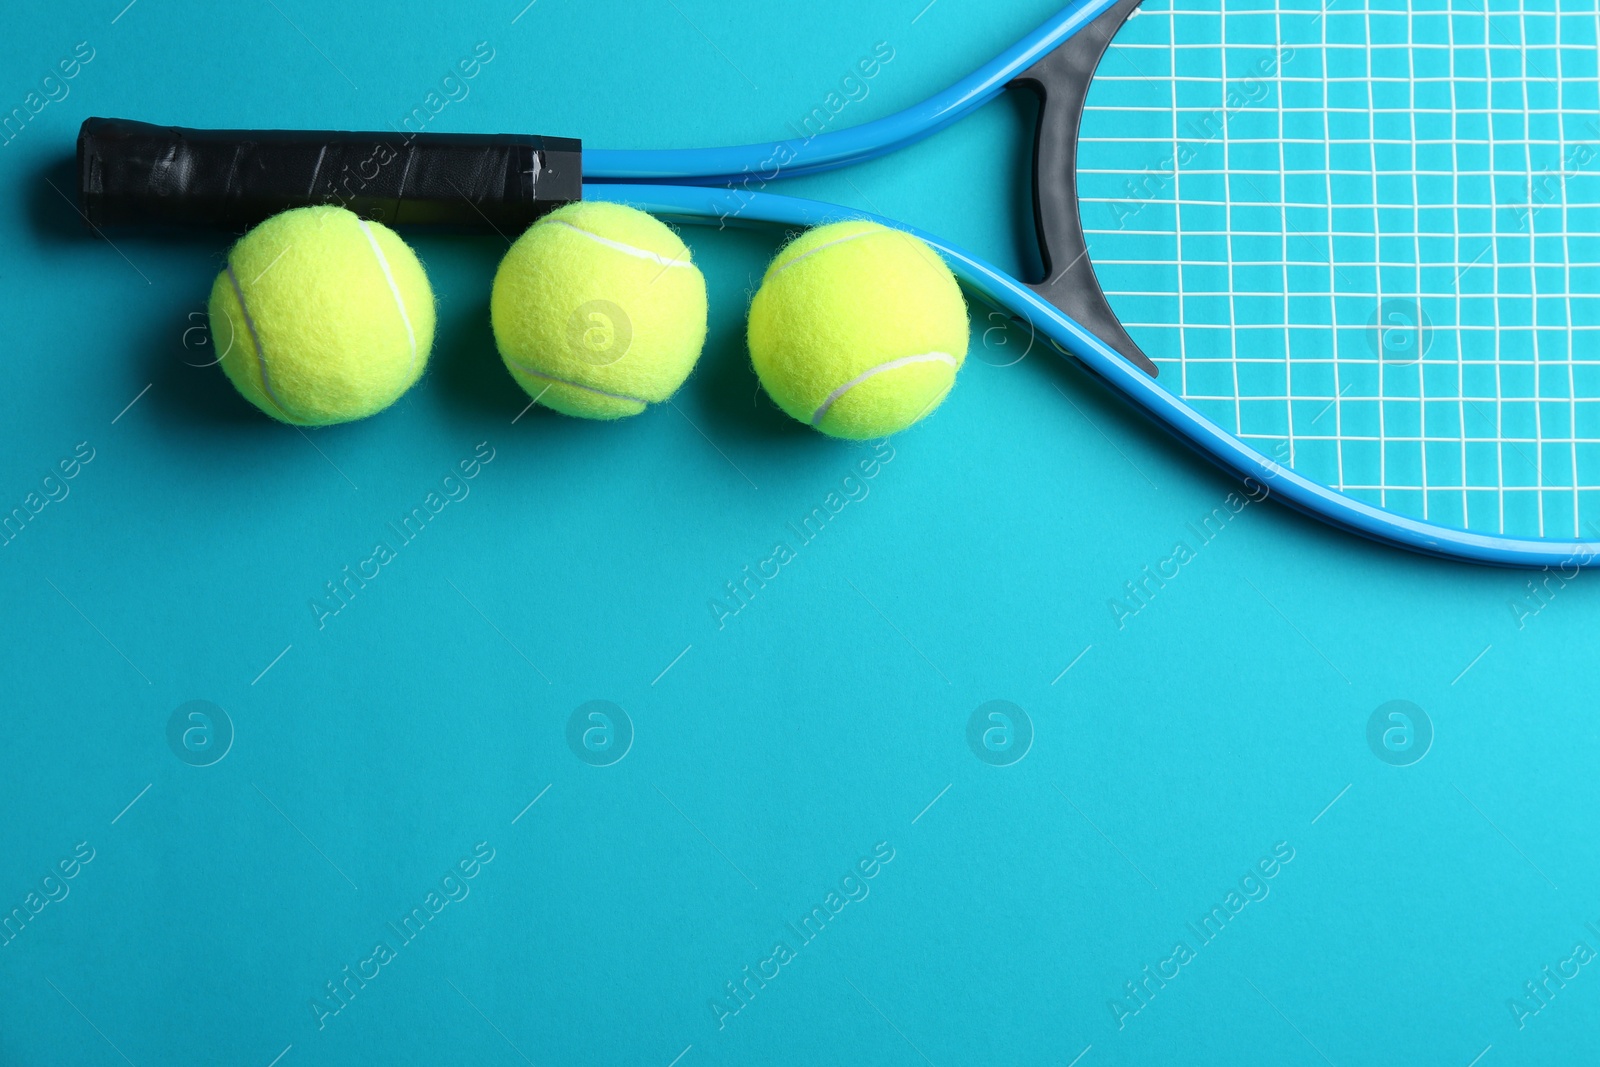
<point x="136" y="173"/>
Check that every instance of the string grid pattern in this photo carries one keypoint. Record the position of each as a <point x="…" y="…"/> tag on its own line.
<point x="1364" y="236"/>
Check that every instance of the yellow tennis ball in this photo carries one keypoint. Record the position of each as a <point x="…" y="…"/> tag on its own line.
<point x="858" y="330"/>
<point x="322" y="317"/>
<point x="598" y="311"/>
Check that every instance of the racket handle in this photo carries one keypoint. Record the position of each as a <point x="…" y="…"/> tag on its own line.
<point x="137" y="173"/>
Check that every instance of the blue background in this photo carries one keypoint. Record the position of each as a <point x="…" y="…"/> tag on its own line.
<point x="770" y="755"/>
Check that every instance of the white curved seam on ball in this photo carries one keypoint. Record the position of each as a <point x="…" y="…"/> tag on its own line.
<point x="399" y="301"/>
<point x="255" y="339"/>
<point x="838" y="241"/>
<point x="578" y="385"/>
<point x="903" y="361"/>
<point x="642" y="253"/>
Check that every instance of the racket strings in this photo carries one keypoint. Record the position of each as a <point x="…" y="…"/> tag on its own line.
<point x="1367" y="241"/>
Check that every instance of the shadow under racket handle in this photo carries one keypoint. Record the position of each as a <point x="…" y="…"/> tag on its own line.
<point x="136" y="173"/>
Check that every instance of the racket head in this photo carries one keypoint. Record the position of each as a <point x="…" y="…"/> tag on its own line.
<point x="1366" y="243"/>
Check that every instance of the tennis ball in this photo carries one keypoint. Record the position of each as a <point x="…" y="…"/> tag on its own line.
<point x="322" y="317"/>
<point x="858" y="329"/>
<point x="598" y="311"/>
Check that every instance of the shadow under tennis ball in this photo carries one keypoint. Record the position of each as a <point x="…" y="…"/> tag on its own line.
<point x="466" y="366"/>
<point x="726" y="395"/>
<point x="187" y="387"/>
<point x="174" y="351"/>
<point x="52" y="201"/>
<point x="732" y="397"/>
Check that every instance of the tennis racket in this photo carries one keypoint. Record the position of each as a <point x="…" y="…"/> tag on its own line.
<point x="1349" y="250"/>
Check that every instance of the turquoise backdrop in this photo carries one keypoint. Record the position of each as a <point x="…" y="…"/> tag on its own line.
<point x="235" y="828"/>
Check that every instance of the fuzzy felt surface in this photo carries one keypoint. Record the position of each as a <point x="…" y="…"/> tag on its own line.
<point x="858" y="329"/>
<point x="331" y="328"/>
<point x="598" y="310"/>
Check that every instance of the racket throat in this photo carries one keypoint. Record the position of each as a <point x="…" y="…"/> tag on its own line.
<point x="1061" y="82"/>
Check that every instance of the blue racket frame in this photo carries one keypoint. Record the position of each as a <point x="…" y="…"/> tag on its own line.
<point x="856" y="144"/>
<point x="693" y="185"/>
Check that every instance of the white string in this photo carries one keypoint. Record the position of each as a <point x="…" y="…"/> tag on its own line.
<point x="1283" y="247"/>
<point x="1333" y="270"/>
<point x="1411" y="150"/>
<point x="1578" y="523"/>
<point x="1227" y="243"/>
<point x="1461" y="384"/>
<point x="1494" y="248"/>
<point x="1416" y="235"/>
<point x="1177" y="193"/>
<point x="1377" y="231"/>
